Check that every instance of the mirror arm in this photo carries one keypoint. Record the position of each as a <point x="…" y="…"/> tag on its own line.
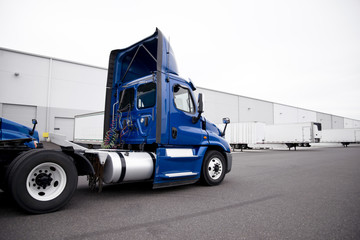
<point x="196" y="119"/>
<point x="34" y="121"/>
<point x="223" y="133"/>
<point x="226" y="121"/>
<point x="200" y="109"/>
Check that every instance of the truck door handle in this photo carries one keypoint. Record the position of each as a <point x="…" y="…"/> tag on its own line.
<point x="174" y="132"/>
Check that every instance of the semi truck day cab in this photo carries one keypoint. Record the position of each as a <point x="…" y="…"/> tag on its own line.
<point x="153" y="131"/>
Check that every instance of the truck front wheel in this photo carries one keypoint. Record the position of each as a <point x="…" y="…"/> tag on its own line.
<point x="213" y="169"/>
<point x="42" y="181"/>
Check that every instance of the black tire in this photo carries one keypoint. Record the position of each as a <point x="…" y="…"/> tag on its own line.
<point x="11" y="165"/>
<point x="213" y="168"/>
<point x="42" y="181"/>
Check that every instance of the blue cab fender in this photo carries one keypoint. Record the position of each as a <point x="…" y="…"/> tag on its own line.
<point x="217" y="142"/>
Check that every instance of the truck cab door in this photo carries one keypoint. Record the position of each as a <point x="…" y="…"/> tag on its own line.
<point x="180" y="161"/>
<point x="182" y="110"/>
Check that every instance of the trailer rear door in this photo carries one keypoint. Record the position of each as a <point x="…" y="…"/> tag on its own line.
<point x="357" y="135"/>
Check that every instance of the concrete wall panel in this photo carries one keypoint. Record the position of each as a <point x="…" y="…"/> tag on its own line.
<point x="218" y="105"/>
<point x="348" y="123"/>
<point x="306" y="115"/>
<point x="285" y="114"/>
<point x="77" y="86"/>
<point x="337" y="122"/>
<point x="351" y="123"/>
<point x="253" y="110"/>
<point x="24" y="79"/>
<point x="325" y="120"/>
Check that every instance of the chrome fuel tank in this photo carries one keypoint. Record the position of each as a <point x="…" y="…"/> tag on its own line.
<point x="124" y="166"/>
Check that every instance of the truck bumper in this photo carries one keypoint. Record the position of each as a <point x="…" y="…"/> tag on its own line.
<point x="228" y="162"/>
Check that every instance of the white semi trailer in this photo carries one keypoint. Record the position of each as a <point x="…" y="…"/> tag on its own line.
<point x="251" y="135"/>
<point x="344" y="136"/>
<point x="89" y="128"/>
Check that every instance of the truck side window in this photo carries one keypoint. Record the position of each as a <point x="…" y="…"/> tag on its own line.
<point x="146" y="95"/>
<point x="183" y="100"/>
<point x="127" y="100"/>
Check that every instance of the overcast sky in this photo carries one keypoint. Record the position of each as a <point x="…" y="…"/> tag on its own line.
<point x="302" y="53"/>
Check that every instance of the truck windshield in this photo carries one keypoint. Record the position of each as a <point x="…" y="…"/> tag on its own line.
<point x="126" y="100"/>
<point x="146" y="95"/>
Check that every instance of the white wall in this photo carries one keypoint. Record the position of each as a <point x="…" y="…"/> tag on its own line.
<point x="53" y="88"/>
<point x="218" y="105"/>
<point x="254" y="110"/>
<point x="325" y="120"/>
<point x="351" y="123"/>
<point x="285" y="114"/>
<point x="337" y="122"/>
<point x="306" y="115"/>
<point x="348" y="123"/>
<point x="238" y="108"/>
<point x="31" y="84"/>
<point x="75" y="86"/>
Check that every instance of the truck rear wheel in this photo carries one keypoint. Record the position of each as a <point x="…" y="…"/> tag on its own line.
<point x="213" y="169"/>
<point x="42" y="181"/>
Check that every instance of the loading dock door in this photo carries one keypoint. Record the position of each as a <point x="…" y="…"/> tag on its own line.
<point x="19" y="113"/>
<point x="65" y="126"/>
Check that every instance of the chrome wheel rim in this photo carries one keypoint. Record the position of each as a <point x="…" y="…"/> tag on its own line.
<point x="215" y="168"/>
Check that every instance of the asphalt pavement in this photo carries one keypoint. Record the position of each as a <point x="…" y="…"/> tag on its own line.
<point x="304" y="194"/>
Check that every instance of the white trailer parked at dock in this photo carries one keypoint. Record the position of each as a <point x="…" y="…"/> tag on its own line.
<point x="344" y="136"/>
<point x="89" y="128"/>
<point x="258" y="135"/>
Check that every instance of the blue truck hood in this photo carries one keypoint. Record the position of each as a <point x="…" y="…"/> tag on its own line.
<point x="10" y="130"/>
<point x="215" y="137"/>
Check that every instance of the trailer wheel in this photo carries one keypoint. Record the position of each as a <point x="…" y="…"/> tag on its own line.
<point x="213" y="169"/>
<point x="42" y="181"/>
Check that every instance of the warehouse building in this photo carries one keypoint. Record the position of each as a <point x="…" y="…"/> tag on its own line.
<point x="54" y="91"/>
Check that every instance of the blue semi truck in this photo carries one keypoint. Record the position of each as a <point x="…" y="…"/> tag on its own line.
<point x="153" y="131"/>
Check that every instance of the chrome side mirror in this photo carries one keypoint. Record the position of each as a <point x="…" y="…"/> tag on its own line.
<point x="226" y="121"/>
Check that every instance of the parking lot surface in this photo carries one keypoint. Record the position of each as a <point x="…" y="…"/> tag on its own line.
<point x="304" y="194"/>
